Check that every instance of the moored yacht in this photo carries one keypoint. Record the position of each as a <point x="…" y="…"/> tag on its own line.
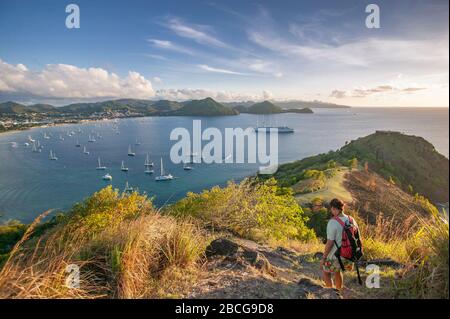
<point x="123" y="168"/>
<point x="163" y="176"/>
<point x="100" y="167"/>
<point x="147" y="162"/>
<point x="107" y="177"/>
<point x="130" y="152"/>
<point x="52" y="156"/>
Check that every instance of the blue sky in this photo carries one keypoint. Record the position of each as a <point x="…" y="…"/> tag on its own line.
<point x="230" y="50"/>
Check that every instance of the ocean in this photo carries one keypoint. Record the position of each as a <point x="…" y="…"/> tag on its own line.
<point x="30" y="183"/>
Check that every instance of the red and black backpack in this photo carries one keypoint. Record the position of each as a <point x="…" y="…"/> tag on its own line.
<point x="351" y="246"/>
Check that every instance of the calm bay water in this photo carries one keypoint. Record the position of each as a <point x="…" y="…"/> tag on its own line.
<point x="30" y="183"/>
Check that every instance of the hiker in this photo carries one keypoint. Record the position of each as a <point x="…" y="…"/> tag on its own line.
<point x="343" y="246"/>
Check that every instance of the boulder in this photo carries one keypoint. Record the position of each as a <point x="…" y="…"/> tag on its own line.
<point x="310" y="290"/>
<point x="221" y="247"/>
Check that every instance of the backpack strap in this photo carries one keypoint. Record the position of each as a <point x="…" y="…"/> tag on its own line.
<point x="339" y="221"/>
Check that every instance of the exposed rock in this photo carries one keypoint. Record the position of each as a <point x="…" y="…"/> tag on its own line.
<point x="238" y="256"/>
<point x="311" y="290"/>
<point x="381" y="262"/>
<point x="221" y="247"/>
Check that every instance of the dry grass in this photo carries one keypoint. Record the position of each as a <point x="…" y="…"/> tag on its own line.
<point x="146" y="256"/>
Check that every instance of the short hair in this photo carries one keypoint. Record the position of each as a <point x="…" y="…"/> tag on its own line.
<point x="337" y="203"/>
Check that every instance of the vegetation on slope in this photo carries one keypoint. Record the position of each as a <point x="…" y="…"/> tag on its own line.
<point x="265" y="107"/>
<point x="205" y="107"/>
<point x="255" y="211"/>
<point x="410" y="162"/>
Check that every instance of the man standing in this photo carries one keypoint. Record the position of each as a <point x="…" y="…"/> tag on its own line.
<point x="330" y="264"/>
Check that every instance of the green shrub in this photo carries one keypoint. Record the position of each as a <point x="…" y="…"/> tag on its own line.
<point x="259" y="211"/>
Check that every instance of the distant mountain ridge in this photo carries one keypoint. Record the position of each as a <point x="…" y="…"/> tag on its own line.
<point x="293" y="104"/>
<point x="150" y="107"/>
<point x="267" y="107"/>
<point x="207" y="107"/>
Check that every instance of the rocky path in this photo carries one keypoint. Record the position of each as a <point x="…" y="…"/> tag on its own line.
<point x="237" y="268"/>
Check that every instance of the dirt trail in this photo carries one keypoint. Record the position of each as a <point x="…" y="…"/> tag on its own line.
<point x="290" y="276"/>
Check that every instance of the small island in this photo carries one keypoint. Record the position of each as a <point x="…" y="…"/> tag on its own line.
<point x="267" y="107"/>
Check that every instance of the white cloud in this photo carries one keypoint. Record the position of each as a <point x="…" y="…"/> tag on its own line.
<point x="222" y="96"/>
<point x="157" y="79"/>
<point x="168" y="45"/>
<point x="71" y="82"/>
<point x="377" y="91"/>
<point x="218" y="70"/>
<point x="194" y="32"/>
<point x="359" y="52"/>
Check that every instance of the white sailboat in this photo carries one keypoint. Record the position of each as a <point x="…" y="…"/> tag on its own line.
<point x="53" y="156"/>
<point x="186" y="166"/>
<point x="123" y="168"/>
<point x="128" y="188"/>
<point x="130" y="152"/>
<point x="36" y="149"/>
<point x="163" y="176"/>
<point x="137" y="142"/>
<point x="107" y="177"/>
<point x="100" y="167"/>
<point x="91" y="139"/>
<point x="147" y="162"/>
<point x="78" y="144"/>
<point x="148" y="170"/>
<point x="46" y="136"/>
<point x="85" y="151"/>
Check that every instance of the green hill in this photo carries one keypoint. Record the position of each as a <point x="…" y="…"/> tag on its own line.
<point x="205" y="107"/>
<point x="17" y="108"/>
<point x="166" y="105"/>
<point x="410" y="162"/>
<point x="265" y="107"/>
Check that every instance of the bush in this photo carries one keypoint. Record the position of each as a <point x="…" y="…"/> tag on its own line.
<point x="123" y="246"/>
<point x="259" y="211"/>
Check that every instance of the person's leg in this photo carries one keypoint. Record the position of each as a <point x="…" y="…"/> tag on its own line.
<point x="327" y="279"/>
<point x="339" y="280"/>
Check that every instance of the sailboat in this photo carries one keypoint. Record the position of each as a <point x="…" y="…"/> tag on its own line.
<point x="78" y="144"/>
<point x="100" y="167"/>
<point x="36" y="149"/>
<point x="128" y="188"/>
<point x="137" y="142"/>
<point x="163" y="176"/>
<point x="107" y="177"/>
<point x="85" y="151"/>
<point x="123" y="168"/>
<point x="53" y="156"/>
<point x="148" y="170"/>
<point x="186" y="166"/>
<point x="46" y="136"/>
<point x="91" y="139"/>
<point x="30" y="139"/>
<point x="61" y="137"/>
<point x="130" y="152"/>
<point x="147" y="162"/>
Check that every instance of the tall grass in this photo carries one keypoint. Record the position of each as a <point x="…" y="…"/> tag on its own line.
<point x="123" y="251"/>
<point x="421" y="244"/>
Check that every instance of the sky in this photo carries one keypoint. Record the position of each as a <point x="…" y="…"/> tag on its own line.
<point x="229" y="50"/>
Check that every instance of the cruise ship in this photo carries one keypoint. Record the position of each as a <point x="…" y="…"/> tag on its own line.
<point x="281" y="129"/>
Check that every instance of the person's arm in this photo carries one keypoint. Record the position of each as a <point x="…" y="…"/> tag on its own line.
<point x="327" y="250"/>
